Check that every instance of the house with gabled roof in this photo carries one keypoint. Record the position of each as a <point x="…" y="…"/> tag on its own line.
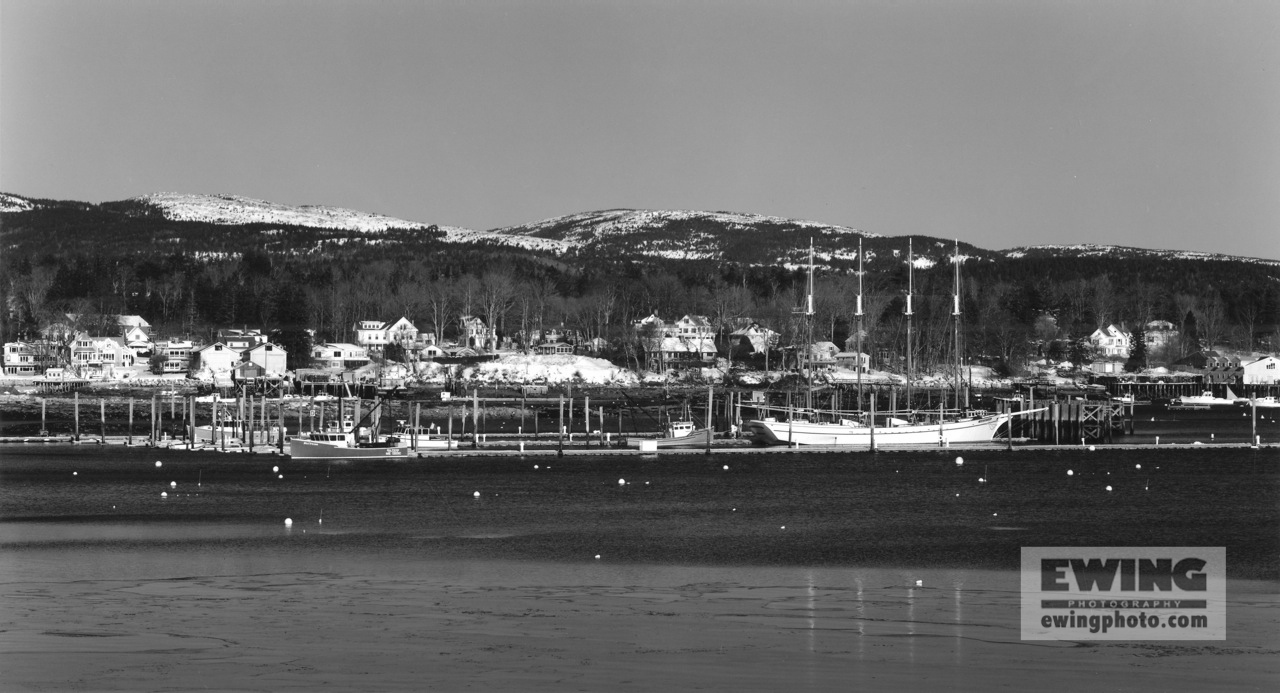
<point x="1111" y="342"/>
<point x="271" y="357"/>
<point x="126" y="322"/>
<point x="1263" y="371"/>
<point x="216" y="358"/>
<point x="242" y="338"/>
<point x="474" y="333"/>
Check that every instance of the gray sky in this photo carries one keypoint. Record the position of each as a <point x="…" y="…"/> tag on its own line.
<point x="1154" y="124"/>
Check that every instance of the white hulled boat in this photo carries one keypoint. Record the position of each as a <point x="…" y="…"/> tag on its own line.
<point x="978" y="427"/>
<point x="1203" y="400"/>
<point x="424" y="438"/>
<point x="335" y="443"/>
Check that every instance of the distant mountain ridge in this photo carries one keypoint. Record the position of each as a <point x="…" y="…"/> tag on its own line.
<point x="657" y="235"/>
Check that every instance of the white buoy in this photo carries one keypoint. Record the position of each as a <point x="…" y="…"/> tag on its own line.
<point x="173" y="484"/>
<point x="622" y="482"/>
<point x="1071" y="472"/>
<point x="476" y="494"/>
<point x="159" y="464"/>
<point x="982" y="480"/>
<point x="597" y="557"/>
<point x="280" y="476"/>
<point x="784" y="526"/>
<point x="919" y="583"/>
<point x="75" y="473"/>
<point x="1108" y="488"/>
<point x="288" y="522"/>
<point x="1137" y="466"/>
<point x="1092" y="448"/>
<point x="275" y="470"/>
<point x="957" y="495"/>
<point x="995" y="514"/>
<point x="726" y="467"/>
<point x="164" y="494"/>
<point x="646" y="483"/>
<point x="959" y="461"/>
<point x="535" y="466"/>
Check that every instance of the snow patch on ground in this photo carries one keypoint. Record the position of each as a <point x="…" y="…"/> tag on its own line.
<point x="531" y="368"/>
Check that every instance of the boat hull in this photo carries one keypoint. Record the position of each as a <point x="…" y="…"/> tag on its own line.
<point x="697" y="439"/>
<point x="300" y="449"/>
<point x="977" y="430"/>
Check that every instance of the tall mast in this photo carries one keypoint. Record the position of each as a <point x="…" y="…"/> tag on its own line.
<point x="911" y="288"/>
<point x="807" y="311"/>
<point x="955" y="313"/>
<point x="858" y="314"/>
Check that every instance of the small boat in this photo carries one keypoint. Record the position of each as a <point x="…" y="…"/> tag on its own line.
<point x="424" y="438"/>
<point x="679" y="434"/>
<point x="1267" y="402"/>
<point x="1202" y="401"/>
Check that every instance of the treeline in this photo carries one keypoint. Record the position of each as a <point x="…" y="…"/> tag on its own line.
<point x="1012" y="309"/>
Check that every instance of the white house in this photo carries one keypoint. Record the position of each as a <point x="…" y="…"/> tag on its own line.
<point x="1264" y="371"/>
<point x="19" y="359"/>
<point x="339" y="355"/>
<point x="822" y="355"/>
<point x="176" y="355"/>
<point x="553" y="348"/>
<point x="475" y="334"/>
<point x="216" y="358"/>
<point x="1111" y="342"/>
<point x="138" y="340"/>
<point x="372" y="335"/>
<point x="127" y="322"/>
<point x="687" y="341"/>
<point x="853" y="361"/>
<point x="101" y="352"/>
<point x="271" y="357"/>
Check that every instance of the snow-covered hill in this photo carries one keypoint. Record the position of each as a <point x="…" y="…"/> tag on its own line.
<point x="692" y="235"/>
<point x="13" y="203"/>
<point x="237" y="209"/>
<point x="1120" y="251"/>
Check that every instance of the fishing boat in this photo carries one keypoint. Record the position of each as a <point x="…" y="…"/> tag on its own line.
<point x="348" y="440"/>
<point x="1202" y="401"/>
<point x="862" y="429"/>
<point x="424" y="437"/>
<point x="679" y="434"/>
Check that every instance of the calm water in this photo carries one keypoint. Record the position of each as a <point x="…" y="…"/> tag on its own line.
<point x="814" y="510"/>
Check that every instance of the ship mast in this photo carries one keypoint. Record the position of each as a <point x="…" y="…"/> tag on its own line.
<point x="807" y="311"/>
<point x="955" y="313"/>
<point x="911" y="287"/>
<point x="858" y="314"/>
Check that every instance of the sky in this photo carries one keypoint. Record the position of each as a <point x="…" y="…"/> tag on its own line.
<point x="1000" y="123"/>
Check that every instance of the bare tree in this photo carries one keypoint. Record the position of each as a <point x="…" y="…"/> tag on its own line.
<point x="1211" y="319"/>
